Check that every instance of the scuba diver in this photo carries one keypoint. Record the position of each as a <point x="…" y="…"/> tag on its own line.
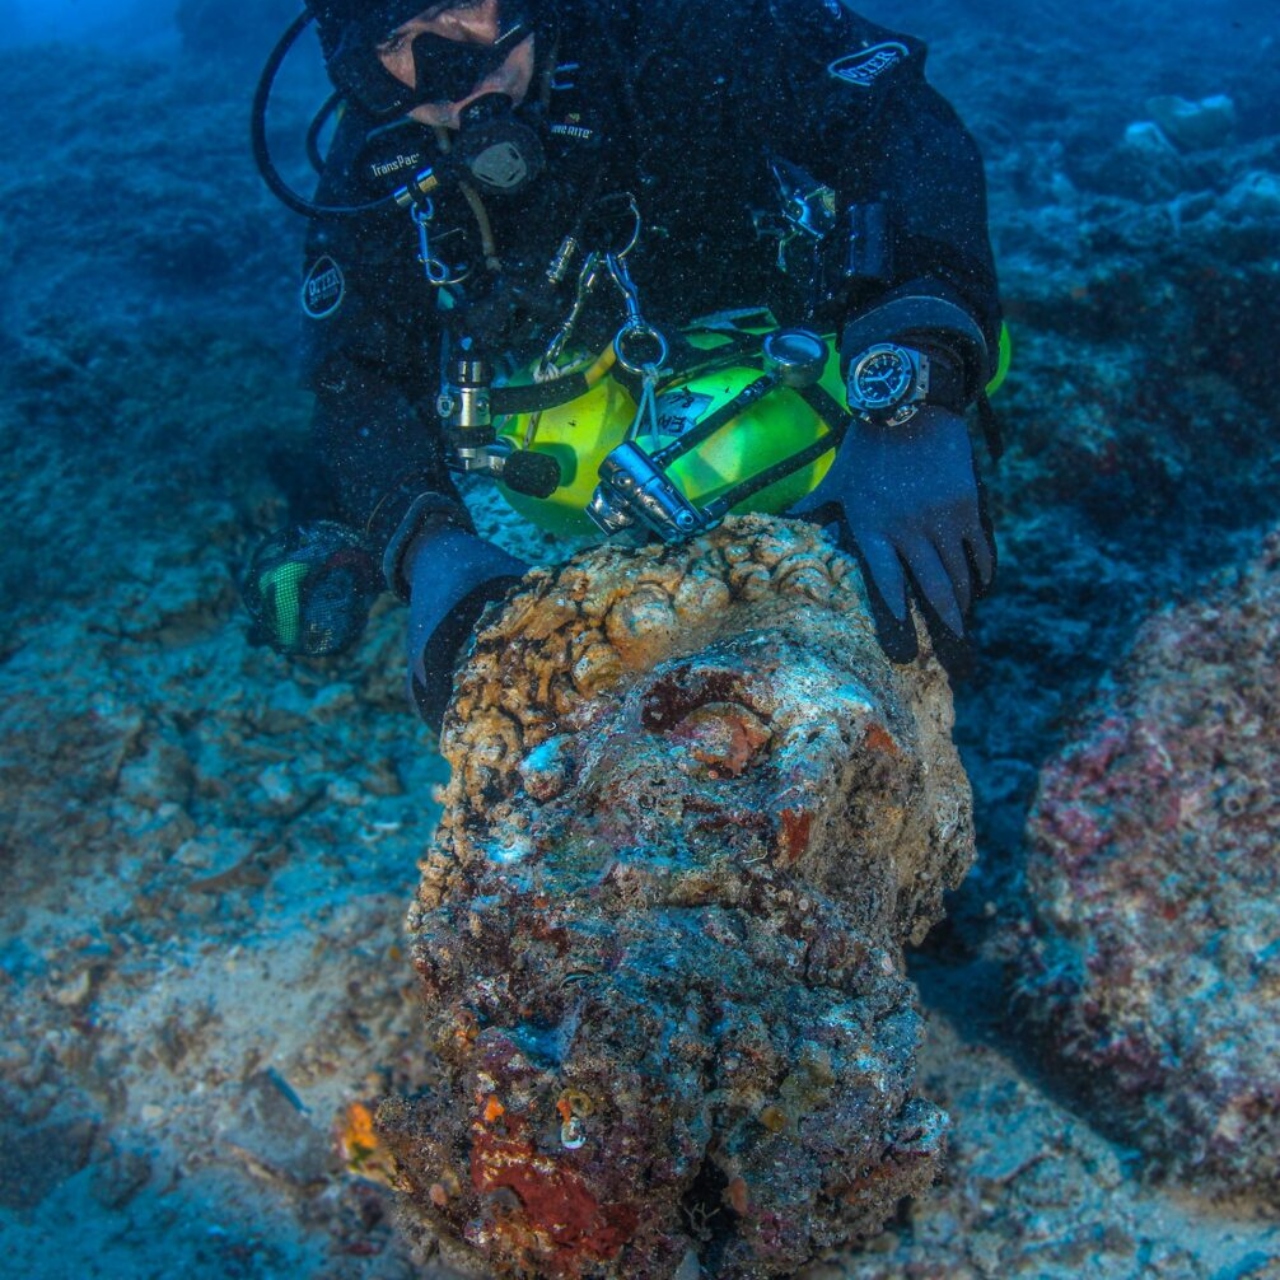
<point x="534" y="210"/>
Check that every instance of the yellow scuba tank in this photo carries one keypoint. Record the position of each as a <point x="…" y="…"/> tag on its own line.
<point x="580" y="433"/>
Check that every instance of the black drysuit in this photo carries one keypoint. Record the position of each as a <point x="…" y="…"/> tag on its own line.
<point x="683" y="104"/>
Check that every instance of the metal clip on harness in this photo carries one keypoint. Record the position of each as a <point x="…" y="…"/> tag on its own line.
<point x="439" y="273"/>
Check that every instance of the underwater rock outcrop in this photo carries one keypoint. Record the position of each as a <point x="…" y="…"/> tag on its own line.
<point x="1153" y="967"/>
<point x="694" y="817"/>
<point x="1194" y="126"/>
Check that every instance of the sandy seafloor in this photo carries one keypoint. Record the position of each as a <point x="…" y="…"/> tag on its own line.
<point x="207" y="853"/>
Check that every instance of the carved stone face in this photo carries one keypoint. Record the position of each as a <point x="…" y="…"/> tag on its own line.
<point x="695" y="813"/>
<point x="754" y="750"/>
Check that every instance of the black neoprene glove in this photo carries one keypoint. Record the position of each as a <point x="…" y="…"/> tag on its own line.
<point x="452" y="575"/>
<point x="308" y="589"/>
<point x="907" y="501"/>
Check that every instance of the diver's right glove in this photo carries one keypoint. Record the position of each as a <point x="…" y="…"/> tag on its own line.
<point x="451" y="575"/>
<point x="907" y="500"/>
<point x="308" y="589"/>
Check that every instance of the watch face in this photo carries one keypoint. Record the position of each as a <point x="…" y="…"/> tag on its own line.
<point x="882" y="378"/>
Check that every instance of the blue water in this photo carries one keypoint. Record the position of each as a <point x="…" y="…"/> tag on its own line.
<point x="152" y="428"/>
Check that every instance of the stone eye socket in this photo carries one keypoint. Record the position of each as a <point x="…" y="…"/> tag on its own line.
<point x="706" y="715"/>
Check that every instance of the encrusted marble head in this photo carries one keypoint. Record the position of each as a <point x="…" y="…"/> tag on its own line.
<point x="695" y="814"/>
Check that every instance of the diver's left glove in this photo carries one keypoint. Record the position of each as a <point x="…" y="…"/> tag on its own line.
<point x="907" y="501"/>
<point x="309" y="588"/>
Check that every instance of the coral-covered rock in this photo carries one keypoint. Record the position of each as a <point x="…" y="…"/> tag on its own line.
<point x="1154" y="969"/>
<point x="694" y="816"/>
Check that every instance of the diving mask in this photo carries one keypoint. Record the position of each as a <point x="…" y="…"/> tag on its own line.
<point x="444" y="70"/>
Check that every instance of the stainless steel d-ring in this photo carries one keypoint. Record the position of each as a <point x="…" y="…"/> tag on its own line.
<point x="636" y="331"/>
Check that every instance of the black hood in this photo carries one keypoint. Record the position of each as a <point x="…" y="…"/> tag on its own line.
<point x="337" y="19"/>
<point x="349" y="31"/>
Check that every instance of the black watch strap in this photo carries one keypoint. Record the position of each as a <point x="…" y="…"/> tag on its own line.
<point x="947" y="382"/>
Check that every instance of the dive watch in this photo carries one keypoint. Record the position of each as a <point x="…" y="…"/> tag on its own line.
<point x="888" y="383"/>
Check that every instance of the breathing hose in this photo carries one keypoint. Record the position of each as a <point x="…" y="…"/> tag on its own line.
<point x="258" y="133"/>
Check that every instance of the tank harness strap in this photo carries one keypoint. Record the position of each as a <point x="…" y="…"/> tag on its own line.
<point x="716" y="419"/>
<point x="720" y="506"/>
<point x="821" y="401"/>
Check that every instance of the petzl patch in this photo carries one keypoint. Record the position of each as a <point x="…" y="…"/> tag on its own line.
<point x="323" y="289"/>
<point x="866" y="67"/>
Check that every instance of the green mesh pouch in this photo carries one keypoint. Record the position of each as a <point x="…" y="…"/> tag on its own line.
<point x="308" y="589"/>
